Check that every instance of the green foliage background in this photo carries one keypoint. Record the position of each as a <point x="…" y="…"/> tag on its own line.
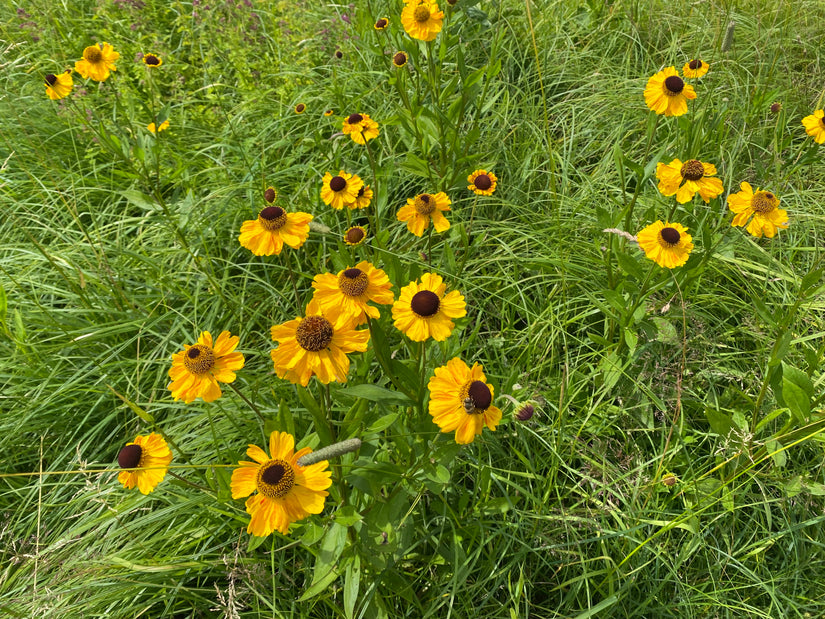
<point x="562" y="517"/>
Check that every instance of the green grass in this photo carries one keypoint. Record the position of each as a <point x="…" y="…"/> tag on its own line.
<point x="563" y="516"/>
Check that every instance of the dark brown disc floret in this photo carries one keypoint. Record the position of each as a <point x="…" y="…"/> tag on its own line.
<point x="425" y="303"/>
<point x="129" y="457"/>
<point x="674" y="85"/>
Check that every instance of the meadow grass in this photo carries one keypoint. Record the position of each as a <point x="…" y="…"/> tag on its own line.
<point x="118" y="248"/>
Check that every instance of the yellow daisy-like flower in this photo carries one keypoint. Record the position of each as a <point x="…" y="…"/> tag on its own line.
<point x="329" y="112"/>
<point x="423" y="310"/>
<point x="316" y="345"/>
<point x="351" y="290"/>
<point x="355" y="235"/>
<point x="667" y="244"/>
<point x="364" y="197"/>
<point x="482" y="183"/>
<point x="666" y="93"/>
<point x="686" y="179"/>
<point x="151" y="60"/>
<point x="461" y="401"/>
<point x="155" y="130"/>
<point x="300" y="108"/>
<point x="97" y="62"/>
<point x="267" y="235"/>
<point x="695" y="68"/>
<point x="59" y="86"/>
<point x="287" y="491"/>
<point x="422" y="20"/>
<point x="382" y="24"/>
<point x="763" y="205"/>
<point x="418" y="211"/>
<point x="399" y="59"/>
<point x="197" y="370"/>
<point x="145" y="462"/>
<point x="340" y="190"/>
<point x="815" y="126"/>
<point x="360" y="127"/>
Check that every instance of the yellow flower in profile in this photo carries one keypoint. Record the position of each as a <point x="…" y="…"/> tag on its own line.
<point x="461" y="400"/>
<point x="351" y="290"/>
<point x="418" y="211"/>
<point x="97" y="62"/>
<point x="59" y="86"/>
<point x="340" y="190"/>
<point x="364" y="197"/>
<point x="422" y="20"/>
<point x="287" y="491"/>
<point x="482" y="183"/>
<point x="763" y="205"/>
<point x="695" y="68"/>
<point x="316" y="345"/>
<point x="355" y="235"/>
<point x="667" y="244"/>
<point x="423" y="310"/>
<point x="666" y="93"/>
<point x="300" y="108"/>
<point x="686" y="179"/>
<point x="151" y="60"/>
<point x="197" y="370"/>
<point x="815" y="126"/>
<point x="329" y="112"/>
<point x="270" y="194"/>
<point x="382" y="24"/>
<point x="360" y="127"/>
<point x="144" y="462"/>
<point x="399" y="59"/>
<point x="274" y="228"/>
<point x="163" y="127"/>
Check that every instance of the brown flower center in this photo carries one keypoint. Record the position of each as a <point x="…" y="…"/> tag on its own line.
<point x="354" y="119"/>
<point x="670" y="236"/>
<point x="425" y="303"/>
<point x="270" y="194"/>
<point x="353" y="282"/>
<point x="483" y="182"/>
<point x="199" y="359"/>
<point x="93" y="54"/>
<point x="151" y="59"/>
<point x="272" y="218"/>
<point x="354" y="236"/>
<point x="674" y="85"/>
<point x="424" y="204"/>
<point x="421" y="14"/>
<point x="300" y="107"/>
<point x="275" y="479"/>
<point x="339" y="54"/>
<point x="695" y="64"/>
<point x="338" y="183"/>
<point x="314" y="333"/>
<point x="763" y="202"/>
<point x="400" y="59"/>
<point x="51" y="80"/>
<point x="692" y="170"/>
<point x="361" y="191"/>
<point x="822" y="122"/>
<point x="476" y="397"/>
<point x="129" y="457"/>
<point x="381" y="24"/>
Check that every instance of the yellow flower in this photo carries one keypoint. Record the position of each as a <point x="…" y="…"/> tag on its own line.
<point x="688" y="178"/>
<point x="364" y="197"/>
<point x="197" y="370"/>
<point x="418" y="211"/>
<point x="666" y="93"/>
<point x="815" y="126"/>
<point x="329" y="112"/>
<point x="151" y="60"/>
<point x="382" y="24"/>
<point x="59" y="86"/>
<point x="695" y="68"/>
<point x="399" y="59"/>
<point x="274" y="227"/>
<point x="763" y="205"/>
<point x="98" y="60"/>
<point x="145" y="462"/>
<point x="360" y="127"/>
<point x="351" y="290"/>
<point x="300" y="108"/>
<point x="341" y="190"/>
<point x="461" y="401"/>
<point x="316" y="345"/>
<point x="423" y="310"/>
<point x="355" y="235"/>
<point x="163" y="127"/>
<point x="422" y="20"/>
<point x="287" y="491"/>
<point x="667" y="244"/>
<point x="482" y="183"/>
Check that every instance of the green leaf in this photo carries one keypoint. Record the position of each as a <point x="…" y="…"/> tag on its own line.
<point x="383" y="423"/>
<point x="141" y="200"/>
<point x="135" y="408"/>
<point x="324" y="573"/>
<point x="630" y="265"/>
<point x="778" y="455"/>
<point x="665" y="331"/>
<point x="352" y="582"/>
<point x="254" y="542"/>
<point x="719" y="422"/>
<point x="347" y="516"/>
<point x="781" y="349"/>
<point x="321" y="425"/>
<point x="797" y="390"/>
<point x="374" y="393"/>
